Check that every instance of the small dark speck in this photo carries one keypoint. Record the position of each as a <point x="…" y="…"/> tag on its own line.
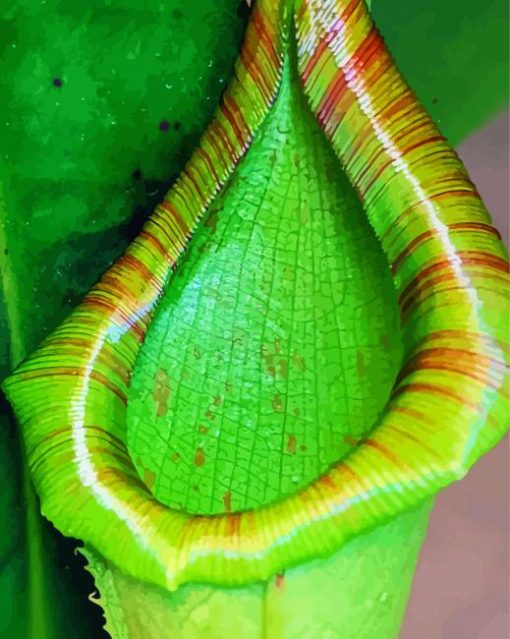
<point x="434" y="100"/>
<point x="57" y="82"/>
<point x="164" y="126"/>
<point x="71" y="298"/>
<point x="177" y="14"/>
<point x="137" y="174"/>
<point x="177" y="125"/>
<point x="6" y="251"/>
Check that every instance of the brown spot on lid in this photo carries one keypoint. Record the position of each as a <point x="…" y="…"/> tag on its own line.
<point x="199" y="458"/>
<point x="303" y="213"/>
<point x="202" y="429"/>
<point x="218" y="401"/>
<point x="350" y="441"/>
<point x="227" y="501"/>
<point x="161" y="392"/>
<point x="360" y="364"/>
<point x="297" y="412"/>
<point x="212" y="220"/>
<point x="175" y="457"/>
<point x="283" y="368"/>
<point x="268" y="358"/>
<point x="288" y="273"/>
<point x="385" y="341"/>
<point x="148" y="478"/>
<point x="302" y="448"/>
<point x="210" y="415"/>
<point x="196" y="353"/>
<point x="291" y="444"/>
<point x="298" y="361"/>
<point x="280" y="581"/>
<point x="277" y="404"/>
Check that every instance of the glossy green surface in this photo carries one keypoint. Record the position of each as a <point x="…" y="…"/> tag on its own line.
<point x="277" y="342"/>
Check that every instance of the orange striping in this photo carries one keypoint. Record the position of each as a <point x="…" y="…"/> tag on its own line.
<point x="251" y="63"/>
<point x="171" y="239"/>
<point x="456" y="226"/>
<point x="327" y="482"/>
<point x="457" y="354"/>
<point x="100" y="303"/>
<point x="78" y="372"/>
<point x="188" y="171"/>
<point x="170" y="208"/>
<point x="214" y="140"/>
<point x="384" y="450"/>
<point x="234" y="524"/>
<point x="478" y="259"/>
<point x="262" y="27"/>
<point x="139" y="267"/>
<point x="434" y="389"/>
<point x="390" y="162"/>
<point x="407" y="435"/>
<point x="146" y="235"/>
<point x="207" y="159"/>
<point x="233" y="123"/>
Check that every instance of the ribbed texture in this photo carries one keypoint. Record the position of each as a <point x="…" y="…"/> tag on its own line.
<point x="449" y="405"/>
